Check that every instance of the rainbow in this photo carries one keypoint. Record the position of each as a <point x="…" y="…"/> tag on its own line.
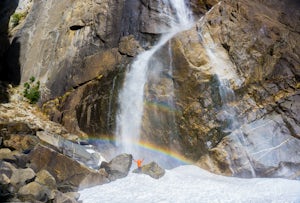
<point x="164" y="151"/>
<point x="148" y="146"/>
<point x="162" y="106"/>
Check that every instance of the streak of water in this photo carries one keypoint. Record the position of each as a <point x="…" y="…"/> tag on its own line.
<point x="131" y="97"/>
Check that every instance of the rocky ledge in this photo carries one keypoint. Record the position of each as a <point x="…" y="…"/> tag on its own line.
<point x="36" y="163"/>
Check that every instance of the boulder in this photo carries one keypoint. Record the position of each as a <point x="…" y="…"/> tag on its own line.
<point x="14" y="178"/>
<point x="75" y="151"/>
<point x="6" y="168"/>
<point x="6" y="190"/>
<point x="21" y="159"/>
<point x="14" y="157"/>
<point x="118" y="167"/>
<point x="63" y="198"/>
<point x="74" y="195"/>
<point x="16" y="128"/>
<point x="43" y="177"/>
<point x="21" y="177"/>
<point x="152" y="169"/>
<point x="34" y="191"/>
<point x="21" y="142"/>
<point x="68" y="173"/>
<point x="7" y="155"/>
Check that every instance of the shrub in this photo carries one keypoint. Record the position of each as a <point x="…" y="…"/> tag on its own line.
<point x="16" y="17"/>
<point x="32" y="90"/>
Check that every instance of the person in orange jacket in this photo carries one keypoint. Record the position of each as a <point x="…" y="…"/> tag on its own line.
<point x="139" y="163"/>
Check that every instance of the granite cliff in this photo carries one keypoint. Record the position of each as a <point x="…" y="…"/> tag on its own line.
<point x="79" y="50"/>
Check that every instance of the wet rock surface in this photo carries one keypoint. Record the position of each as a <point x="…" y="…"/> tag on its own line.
<point x="248" y="131"/>
<point x="262" y="50"/>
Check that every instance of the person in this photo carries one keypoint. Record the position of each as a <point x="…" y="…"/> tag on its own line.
<point x="139" y="163"/>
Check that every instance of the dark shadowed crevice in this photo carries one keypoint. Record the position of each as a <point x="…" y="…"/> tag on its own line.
<point x="12" y="71"/>
<point x="7" y="8"/>
<point x="76" y="27"/>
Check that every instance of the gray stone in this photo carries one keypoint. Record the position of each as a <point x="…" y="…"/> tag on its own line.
<point x="33" y="191"/>
<point x="43" y="177"/>
<point x="7" y="168"/>
<point x="63" y="198"/>
<point x="7" y="155"/>
<point x="69" y="174"/>
<point x="118" y="167"/>
<point x="74" y="195"/>
<point x="5" y="187"/>
<point x="263" y="148"/>
<point x="21" y="177"/>
<point x="16" y="128"/>
<point x="71" y="149"/>
<point x="152" y="169"/>
<point x="21" y="142"/>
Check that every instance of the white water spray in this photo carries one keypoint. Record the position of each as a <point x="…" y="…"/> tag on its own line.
<point x="131" y="97"/>
<point x="227" y="78"/>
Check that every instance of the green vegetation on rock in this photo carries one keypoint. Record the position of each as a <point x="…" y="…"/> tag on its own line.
<point x="32" y="90"/>
<point x="16" y="18"/>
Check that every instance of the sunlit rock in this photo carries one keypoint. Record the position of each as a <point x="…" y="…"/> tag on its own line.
<point x="43" y="177"/>
<point x="152" y="169"/>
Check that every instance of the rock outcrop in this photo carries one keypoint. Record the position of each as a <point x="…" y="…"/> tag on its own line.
<point x="69" y="174"/>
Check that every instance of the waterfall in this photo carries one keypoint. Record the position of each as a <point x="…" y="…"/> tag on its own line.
<point x="109" y="114"/>
<point x="225" y="73"/>
<point x="131" y="96"/>
<point x="227" y="78"/>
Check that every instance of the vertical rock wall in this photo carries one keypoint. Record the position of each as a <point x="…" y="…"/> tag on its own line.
<point x="79" y="51"/>
<point x="262" y="46"/>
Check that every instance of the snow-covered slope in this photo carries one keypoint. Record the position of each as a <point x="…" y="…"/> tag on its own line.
<point x="192" y="184"/>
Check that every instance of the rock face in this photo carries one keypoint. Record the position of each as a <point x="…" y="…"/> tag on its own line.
<point x="235" y="90"/>
<point x="231" y="102"/>
<point x="71" y="32"/>
<point x="91" y="104"/>
<point x="250" y="130"/>
<point x="152" y="169"/>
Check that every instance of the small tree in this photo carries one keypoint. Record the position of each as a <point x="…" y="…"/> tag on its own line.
<point x="32" y="90"/>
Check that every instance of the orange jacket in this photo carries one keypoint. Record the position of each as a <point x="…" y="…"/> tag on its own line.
<point x="139" y="162"/>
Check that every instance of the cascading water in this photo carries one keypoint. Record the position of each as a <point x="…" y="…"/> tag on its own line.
<point x="227" y="77"/>
<point x="131" y="97"/>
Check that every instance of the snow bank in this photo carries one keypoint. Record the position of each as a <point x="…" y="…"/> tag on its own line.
<point x="192" y="184"/>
